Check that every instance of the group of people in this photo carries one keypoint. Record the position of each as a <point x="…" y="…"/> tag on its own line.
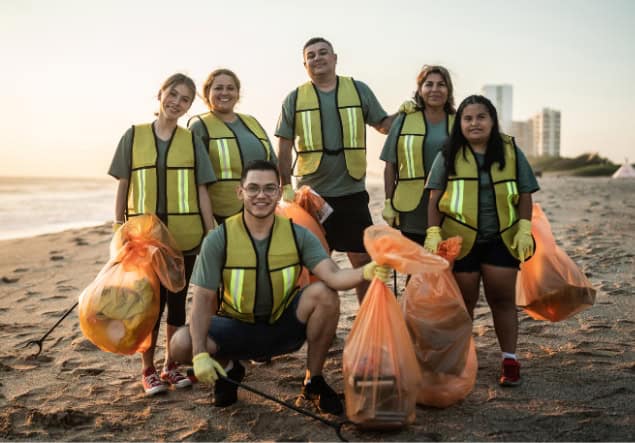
<point x="216" y="186"/>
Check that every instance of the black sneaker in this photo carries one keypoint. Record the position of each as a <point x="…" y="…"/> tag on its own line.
<point x="226" y="393"/>
<point x="322" y="396"/>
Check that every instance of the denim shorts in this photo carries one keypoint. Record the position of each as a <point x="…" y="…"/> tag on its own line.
<point x="237" y="340"/>
<point x="492" y="252"/>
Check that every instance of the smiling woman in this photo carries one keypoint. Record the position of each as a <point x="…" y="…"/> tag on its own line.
<point x="232" y="140"/>
<point x="162" y="169"/>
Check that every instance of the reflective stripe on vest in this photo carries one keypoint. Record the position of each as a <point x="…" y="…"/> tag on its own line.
<point x="459" y="202"/>
<point x="308" y="128"/>
<point x="183" y="216"/>
<point x="240" y="270"/>
<point x="226" y="156"/>
<point x="411" y="168"/>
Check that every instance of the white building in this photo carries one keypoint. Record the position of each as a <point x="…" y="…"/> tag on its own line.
<point x="547" y="132"/>
<point x="502" y="98"/>
<point x="523" y="132"/>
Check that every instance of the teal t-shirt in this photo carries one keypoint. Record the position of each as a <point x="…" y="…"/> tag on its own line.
<point x="250" y="147"/>
<point x="331" y="178"/>
<point x="120" y="166"/>
<point x="487" y="218"/>
<point x="209" y="263"/>
<point x="416" y="221"/>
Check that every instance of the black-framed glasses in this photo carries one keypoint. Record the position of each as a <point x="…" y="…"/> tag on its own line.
<point x="252" y="190"/>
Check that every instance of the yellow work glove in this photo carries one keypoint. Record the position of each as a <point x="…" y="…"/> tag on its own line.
<point x="288" y="194"/>
<point x="433" y="238"/>
<point x="408" y="107"/>
<point x="523" y="242"/>
<point x="372" y="269"/>
<point x="206" y="369"/>
<point x="389" y="214"/>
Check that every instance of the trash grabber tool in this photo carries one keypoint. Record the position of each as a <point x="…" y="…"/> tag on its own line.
<point x="335" y="425"/>
<point x="41" y="340"/>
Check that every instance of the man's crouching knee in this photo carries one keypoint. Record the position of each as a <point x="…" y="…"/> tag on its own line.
<point x="323" y="297"/>
<point x="181" y="345"/>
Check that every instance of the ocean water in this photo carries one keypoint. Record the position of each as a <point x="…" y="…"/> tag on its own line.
<point x="33" y="206"/>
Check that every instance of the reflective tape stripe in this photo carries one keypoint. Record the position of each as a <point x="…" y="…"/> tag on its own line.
<point x="288" y="279"/>
<point x="141" y="187"/>
<point x="456" y="205"/>
<point x="408" y="150"/>
<point x="224" y="159"/>
<point x="236" y="287"/>
<point x="352" y="126"/>
<point x="183" y="190"/>
<point x="306" y="129"/>
<point x="511" y="190"/>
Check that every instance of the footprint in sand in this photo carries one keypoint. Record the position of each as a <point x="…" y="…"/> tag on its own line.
<point x="56" y="257"/>
<point x="9" y="280"/>
<point x="79" y="241"/>
<point x="20" y="270"/>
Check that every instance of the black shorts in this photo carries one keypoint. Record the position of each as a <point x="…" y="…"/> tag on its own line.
<point x="492" y="252"/>
<point x="176" y="300"/>
<point x="345" y="226"/>
<point x="415" y="237"/>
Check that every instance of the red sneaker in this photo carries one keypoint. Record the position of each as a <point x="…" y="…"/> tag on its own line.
<point x="152" y="384"/>
<point x="510" y="375"/>
<point x="172" y="376"/>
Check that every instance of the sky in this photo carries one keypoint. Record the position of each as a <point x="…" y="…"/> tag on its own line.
<point x="76" y="74"/>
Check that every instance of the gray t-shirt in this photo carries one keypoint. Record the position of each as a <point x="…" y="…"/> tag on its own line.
<point x="209" y="263"/>
<point x="250" y="147"/>
<point x="331" y="178"/>
<point x="487" y="216"/>
<point x="120" y="166"/>
<point x="416" y="221"/>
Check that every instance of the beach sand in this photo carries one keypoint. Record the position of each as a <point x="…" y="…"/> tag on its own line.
<point x="579" y="374"/>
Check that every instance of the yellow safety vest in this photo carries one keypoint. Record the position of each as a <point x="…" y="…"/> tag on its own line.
<point x="240" y="270"/>
<point x="308" y="128"/>
<point x="459" y="202"/>
<point x="183" y="215"/>
<point x="411" y="167"/>
<point x="225" y="154"/>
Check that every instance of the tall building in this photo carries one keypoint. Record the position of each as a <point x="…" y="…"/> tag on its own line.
<point x="523" y="132"/>
<point x="502" y="98"/>
<point x="547" y="132"/>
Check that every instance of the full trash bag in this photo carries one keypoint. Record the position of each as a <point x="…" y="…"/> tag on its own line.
<point x="314" y="204"/>
<point x="550" y="286"/>
<point x="118" y="310"/>
<point x="441" y="331"/>
<point x="381" y="374"/>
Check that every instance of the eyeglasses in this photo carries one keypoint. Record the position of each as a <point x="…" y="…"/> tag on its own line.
<point x="253" y="190"/>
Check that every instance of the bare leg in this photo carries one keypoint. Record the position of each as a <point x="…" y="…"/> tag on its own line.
<point x="168" y="355"/>
<point x="358" y="259"/>
<point x="500" y="292"/>
<point x="319" y="308"/>
<point x="469" y="285"/>
<point x="147" y="358"/>
<point x="181" y="345"/>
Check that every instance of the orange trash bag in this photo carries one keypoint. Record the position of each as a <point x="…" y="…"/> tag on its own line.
<point x="381" y="375"/>
<point x="441" y="331"/>
<point x="118" y="310"/>
<point x="550" y="286"/>
<point x="314" y="204"/>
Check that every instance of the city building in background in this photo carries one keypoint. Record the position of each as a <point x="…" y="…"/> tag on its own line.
<point x="546" y="132"/>
<point x="523" y="132"/>
<point x="502" y="98"/>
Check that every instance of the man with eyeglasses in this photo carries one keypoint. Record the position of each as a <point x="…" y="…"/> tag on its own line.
<point x="325" y="120"/>
<point x="254" y="259"/>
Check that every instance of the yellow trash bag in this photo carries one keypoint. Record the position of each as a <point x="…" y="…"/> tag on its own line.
<point x="118" y="310"/>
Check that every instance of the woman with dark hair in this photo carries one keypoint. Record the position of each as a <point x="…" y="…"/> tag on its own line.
<point x="163" y="170"/>
<point x="480" y="189"/>
<point x="413" y="142"/>
<point x="232" y="140"/>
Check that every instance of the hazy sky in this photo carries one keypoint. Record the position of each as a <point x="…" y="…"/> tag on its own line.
<point x="76" y="74"/>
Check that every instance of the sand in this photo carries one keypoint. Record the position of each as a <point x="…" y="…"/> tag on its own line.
<point x="579" y="374"/>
